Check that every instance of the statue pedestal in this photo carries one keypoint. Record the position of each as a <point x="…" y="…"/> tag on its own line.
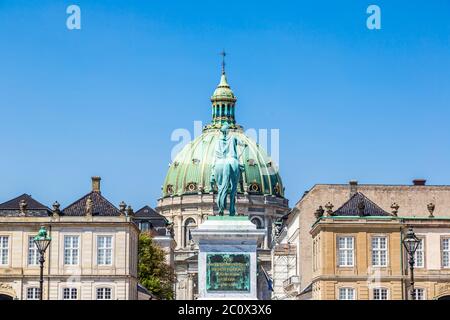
<point x="227" y="261"/>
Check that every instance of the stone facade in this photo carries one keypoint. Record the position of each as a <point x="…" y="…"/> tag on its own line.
<point x="188" y="211"/>
<point x="412" y="202"/>
<point x="91" y="255"/>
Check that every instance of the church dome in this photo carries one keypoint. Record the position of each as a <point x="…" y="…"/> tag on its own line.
<point x="190" y="171"/>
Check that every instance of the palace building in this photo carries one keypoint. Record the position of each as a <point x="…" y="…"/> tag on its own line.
<point x="92" y="254"/>
<point x="356" y="252"/>
<point x="188" y="196"/>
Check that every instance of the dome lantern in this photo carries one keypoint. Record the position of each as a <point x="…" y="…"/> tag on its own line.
<point x="223" y="101"/>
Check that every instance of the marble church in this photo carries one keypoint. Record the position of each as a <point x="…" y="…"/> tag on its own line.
<point x="188" y="195"/>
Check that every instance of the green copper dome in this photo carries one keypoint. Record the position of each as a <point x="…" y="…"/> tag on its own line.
<point x="190" y="171"/>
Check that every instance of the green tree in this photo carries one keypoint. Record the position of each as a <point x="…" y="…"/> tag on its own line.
<point x="153" y="271"/>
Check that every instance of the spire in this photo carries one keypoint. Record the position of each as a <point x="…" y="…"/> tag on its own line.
<point x="223" y="100"/>
<point x="223" y="54"/>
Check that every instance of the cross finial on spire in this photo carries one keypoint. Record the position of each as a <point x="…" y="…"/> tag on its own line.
<point x="223" y="54"/>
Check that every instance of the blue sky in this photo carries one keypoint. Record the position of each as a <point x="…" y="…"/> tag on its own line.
<point x="350" y="103"/>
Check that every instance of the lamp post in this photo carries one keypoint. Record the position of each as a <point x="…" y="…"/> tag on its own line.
<point x="42" y="241"/>
<point x="411" y="242"/>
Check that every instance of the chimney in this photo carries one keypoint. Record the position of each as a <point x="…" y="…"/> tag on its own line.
<point x="419" y="182"/>
<point x="353" y="187"/>
<point x="96" y="184"/>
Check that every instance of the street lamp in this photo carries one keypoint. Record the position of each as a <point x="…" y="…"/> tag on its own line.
<point x="42" y="241"/>
<point x="411" y="242"/>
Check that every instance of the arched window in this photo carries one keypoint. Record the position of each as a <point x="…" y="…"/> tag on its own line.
<point x="189" y="224"/>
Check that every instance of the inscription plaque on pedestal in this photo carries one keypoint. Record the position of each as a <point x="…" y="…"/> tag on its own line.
<point x="227" y="272"/>
<point x="227" y="258"/>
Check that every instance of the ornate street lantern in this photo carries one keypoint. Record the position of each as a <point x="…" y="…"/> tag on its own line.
<point x="42" y="241"/>
<point x="411" y="242"/>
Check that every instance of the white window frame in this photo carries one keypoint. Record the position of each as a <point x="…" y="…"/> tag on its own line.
<point x="346" y="249"/>
<point x="424" y="297"/>
<point x="70" y="293"/>
<point x="445" y="252"/>
<point x="105" y="249"/>
<point x="420" y="251"/>
<point x="71" y="256"/>
<point x="4" y="247"/>
<point x="103" y="293"/>
<point x="378" y="252"/>
<point x="380" y="288"/>
<point x="33" y="253"/>
<point x="33" y="293"/>
<point x="346" y="294"/>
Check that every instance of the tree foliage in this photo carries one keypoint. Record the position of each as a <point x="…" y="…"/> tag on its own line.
<point x="154" y="273"/>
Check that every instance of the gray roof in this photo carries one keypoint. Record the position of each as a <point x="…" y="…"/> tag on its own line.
<point x="33" y="208"/>
<point x="101" y="206"/>
<point x="360" y="205"/>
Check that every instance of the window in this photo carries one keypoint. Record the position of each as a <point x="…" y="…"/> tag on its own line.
<point x="4" y="250"/>
<point x="70" y="294"/>
<point x="419" y="261"/>
<point x="419" y="294"/>
<point x="71" y="250"/>
<point x="145" y="226"/>
<point x="189" y="225"/>
<point x="33" y="253"/>
<point x="104" y="250"/>
<point x="345" y="251"/>
<point x="33" y="293"/>
<point x="380" y="294"/>
<point x="379" y="251"/>
<point x="445" y="252"/>
<point x="104" y="294"/>
<point x="346" y="294"/>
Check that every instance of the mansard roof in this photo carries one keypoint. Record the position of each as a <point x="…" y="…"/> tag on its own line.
<point x="100" y="206"/>
<point x="158" y="222"/>
<point x="148" y="212"/>
<point x="360" y="205"/>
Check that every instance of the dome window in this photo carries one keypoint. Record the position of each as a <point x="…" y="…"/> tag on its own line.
<point x="254" y="187"/>
<point x="191" y="187"/>
<point x="277" y="189"/>
<point x="175" y="164"/>
<point x="251" y="162"/>
<point x="195" y="161"/>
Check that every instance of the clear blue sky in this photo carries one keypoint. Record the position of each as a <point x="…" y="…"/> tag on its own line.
<point x="350" y="103"/>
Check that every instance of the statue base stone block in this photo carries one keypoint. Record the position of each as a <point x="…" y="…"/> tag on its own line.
<point x="227" y="262"/>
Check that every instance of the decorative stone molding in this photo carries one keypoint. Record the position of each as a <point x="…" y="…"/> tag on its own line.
<point x="122" y="208"/>
<point x="129" y="212"/>
<point x="7" y="289"/>
<point x="89" y="207"/>
<point x="319" y="212"/>
<point x="431" y="206"/>
<point x="394" y="207"/>
<point x="23" y="207"/>
<point x="329" y="206"/>
<point x="56" y="209"/>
